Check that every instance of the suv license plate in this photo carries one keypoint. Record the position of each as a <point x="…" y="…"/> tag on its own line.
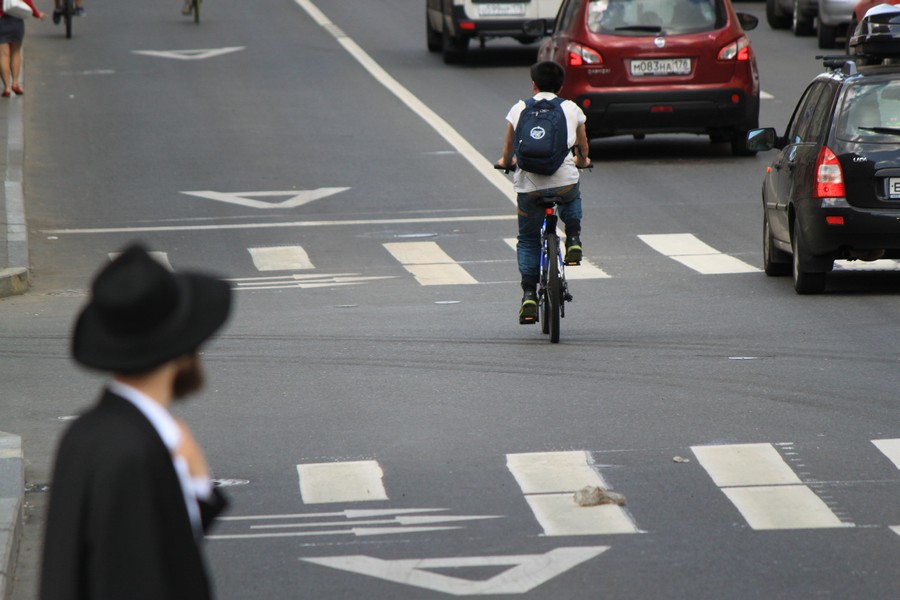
<point x="893" y="188"/>
<point x="501" y="10"/>
<point x="660" y="66"/>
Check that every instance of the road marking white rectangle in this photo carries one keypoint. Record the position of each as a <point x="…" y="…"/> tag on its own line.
<point x="429" y="264"/>
<point x="586" y="270"/>
<point x="356" y="481"/>
<point x="891" y="449"/>
<point x="896" y="529"/>
<point x="782" y="507"/>
<point x="687" y="249"/>
<point x="160" y="257"/>
<point x="745" y="465"/>
<point x="280" y="258"/>
<point x="548" y="472"/>
<point x="558" y="514"/>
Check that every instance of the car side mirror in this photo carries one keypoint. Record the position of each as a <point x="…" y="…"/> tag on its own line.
<point x="760" y="140"/>
<point x="748" y="22"/>
<point x="537" y="28"/>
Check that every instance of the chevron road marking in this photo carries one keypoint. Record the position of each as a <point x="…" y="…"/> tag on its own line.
<point x="190" y="54"/>
<point x="891" y="449"/>
<point x="526" y="572"/>
<point x="764" y="488"/>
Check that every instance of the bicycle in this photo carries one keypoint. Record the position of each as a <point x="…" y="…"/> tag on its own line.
<point x="553" y="289"/>
<point x="68" y="14"/>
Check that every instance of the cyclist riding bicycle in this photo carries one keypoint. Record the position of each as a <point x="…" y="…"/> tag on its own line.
<point x="562" y="185"/>
<point x="58" y="10"/>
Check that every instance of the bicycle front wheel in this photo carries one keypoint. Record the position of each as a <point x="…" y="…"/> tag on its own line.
<point x="196" y="11"/>
<point x="553" y="288"/>
<point x="68" y="13"/>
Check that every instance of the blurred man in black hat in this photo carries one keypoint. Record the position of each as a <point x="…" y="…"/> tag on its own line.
<point x="131" y="493"/>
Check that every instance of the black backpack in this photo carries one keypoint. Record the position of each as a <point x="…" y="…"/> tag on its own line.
<point x="541" y="136"/>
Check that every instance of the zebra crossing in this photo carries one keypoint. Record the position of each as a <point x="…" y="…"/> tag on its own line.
<point x="430" y="263"/>
<point x="756" y="478"/>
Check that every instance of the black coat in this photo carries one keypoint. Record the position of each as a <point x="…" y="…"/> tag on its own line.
<point x="117" y="525"/>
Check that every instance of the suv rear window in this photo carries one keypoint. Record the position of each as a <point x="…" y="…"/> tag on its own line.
<point x="870" y="113"/>
<point x="640" y="17"/>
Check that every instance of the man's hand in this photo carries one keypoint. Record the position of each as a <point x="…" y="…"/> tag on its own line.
<point x="582" y="162"/>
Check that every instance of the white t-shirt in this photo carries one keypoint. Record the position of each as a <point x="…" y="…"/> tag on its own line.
<point x="567" y="173"/>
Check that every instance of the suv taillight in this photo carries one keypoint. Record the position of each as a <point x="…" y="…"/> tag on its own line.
<point x="582" y="55"/>
<point x="738" y="50"/>
<point x="829" y="176"/>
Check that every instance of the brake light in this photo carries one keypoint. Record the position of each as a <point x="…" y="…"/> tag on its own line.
<point x="738" y="50"/>
<point x="579" y="54"/>
<point x="467" y="25"/>
<point x="829" y="176"/>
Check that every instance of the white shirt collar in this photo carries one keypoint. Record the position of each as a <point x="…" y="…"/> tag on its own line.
<point x="544" y="96"/>
<point x="159" y="417"/>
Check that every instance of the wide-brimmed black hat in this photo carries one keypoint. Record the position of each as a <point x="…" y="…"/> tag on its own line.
<point x="142" y="315"/>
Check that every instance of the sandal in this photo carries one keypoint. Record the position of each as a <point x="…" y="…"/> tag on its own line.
<point x="18" y="90"/>
<point x="5" y="94"/>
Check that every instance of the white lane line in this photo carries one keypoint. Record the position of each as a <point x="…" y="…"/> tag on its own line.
<point x="349" y="514"/>
<point x="764" y="488"/>
<point x="691" y="252"/>
<point x="355" y="481"/>
<point x="279" y="224"/>
<point x="891" y="449"/>
<point x="280" y="258"/>
<point x="160" y="257"/>
<point x="745" y="464"/>
<point x="481" y="164"/>
<point x="586" y="270"/>
<point x="429" y="264"/>
<point x="765" y="95"/>
<point x="356" y="531"/>
<point x="549" y="480"/>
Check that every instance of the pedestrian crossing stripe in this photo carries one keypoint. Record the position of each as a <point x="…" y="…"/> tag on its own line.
<point x="891" y="449"/>
<point x="355" y="481"/>
<point x="687" y="249"/>
<point x="429" y="264"/>
<point x="280" y="258"/>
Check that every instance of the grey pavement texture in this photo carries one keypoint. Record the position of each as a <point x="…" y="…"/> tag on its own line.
<point x="12" y="487"/>
<point x="13" y="280"/>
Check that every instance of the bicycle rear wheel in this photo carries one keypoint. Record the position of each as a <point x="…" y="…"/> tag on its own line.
<point x="68" y="13"/>
<point x="196" y="11"/>
<point x="552" y="294"/>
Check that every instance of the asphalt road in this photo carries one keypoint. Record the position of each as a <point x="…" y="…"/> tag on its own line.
<point x="434" y="392"/>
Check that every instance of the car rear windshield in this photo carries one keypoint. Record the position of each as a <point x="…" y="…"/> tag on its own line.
<point x="643" y="17"/>
<point x="870" y="113"/>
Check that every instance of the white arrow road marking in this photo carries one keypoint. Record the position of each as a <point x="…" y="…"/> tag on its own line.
<point x="190" y="54"/>
<point x="528" y="571"/>
<point x="356" y="531"/>
<point x="350" y="514"/>
<point x="395" y="521"/>
<point x="284" y="282"/>
<point x="294" y="198"/>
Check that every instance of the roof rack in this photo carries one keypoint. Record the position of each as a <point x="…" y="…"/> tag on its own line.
<point x="843" y="63"/>
<point x="878" y="35"/>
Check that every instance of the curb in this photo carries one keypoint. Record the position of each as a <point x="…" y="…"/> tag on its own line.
<point x="12" y="492"/>
<point x="14" y="278"/>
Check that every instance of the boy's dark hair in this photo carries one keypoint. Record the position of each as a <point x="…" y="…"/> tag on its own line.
<point x="548" y="76"/>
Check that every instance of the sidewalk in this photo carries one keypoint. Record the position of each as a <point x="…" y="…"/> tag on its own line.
<point x="13" y="280"/>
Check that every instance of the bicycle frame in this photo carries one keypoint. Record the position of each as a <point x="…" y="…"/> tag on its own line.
<point x="548" y="227"/>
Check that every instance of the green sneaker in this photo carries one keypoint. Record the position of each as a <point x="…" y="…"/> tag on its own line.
<point x="573" y="250"/>
<point x="528" y="311"/>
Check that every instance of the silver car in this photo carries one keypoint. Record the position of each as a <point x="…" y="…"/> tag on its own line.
<point x="829" y="18"/>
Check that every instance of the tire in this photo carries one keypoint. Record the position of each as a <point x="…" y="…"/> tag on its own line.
<point x="68" y="14"/>
<point x="827" y="36"/>
<point x="799" y="25"/>
<point x="775" y="262"/>
<point x="554" y="298"/>
<point x="432" y="37"/>
<point x="805" y="282"/>
<point x="453" y="48"/>
<point x="775" y="17"/>
<point x="196" y="11"/>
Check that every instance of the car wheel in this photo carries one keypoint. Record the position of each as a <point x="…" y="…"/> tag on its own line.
<point x="775" y="262"/>
<point x="776" y="17"/>
<point x="739" y="144"/>
<point x="805" y="282"/>
<point x="799" y="24"/>
<point x="433" y="38"/>
<point x="453" y="48"/>
<point x="827" y="36"/>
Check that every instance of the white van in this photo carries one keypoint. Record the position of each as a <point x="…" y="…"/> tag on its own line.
<point x="450" y="24"/>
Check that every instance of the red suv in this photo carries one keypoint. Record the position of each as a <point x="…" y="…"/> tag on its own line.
<point x="657" y="66"/>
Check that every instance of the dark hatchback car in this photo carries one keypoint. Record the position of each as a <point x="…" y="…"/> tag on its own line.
<point x="833" y="190"/>
<point x="658" y="66"/>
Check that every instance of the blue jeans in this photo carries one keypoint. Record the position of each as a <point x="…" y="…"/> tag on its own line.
<point x="531" y="217"/>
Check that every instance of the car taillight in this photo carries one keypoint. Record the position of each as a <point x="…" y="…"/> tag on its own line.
<point x="738" y="50"/>
<point x="582" y="55"/>
<point x="829" y="176"/>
